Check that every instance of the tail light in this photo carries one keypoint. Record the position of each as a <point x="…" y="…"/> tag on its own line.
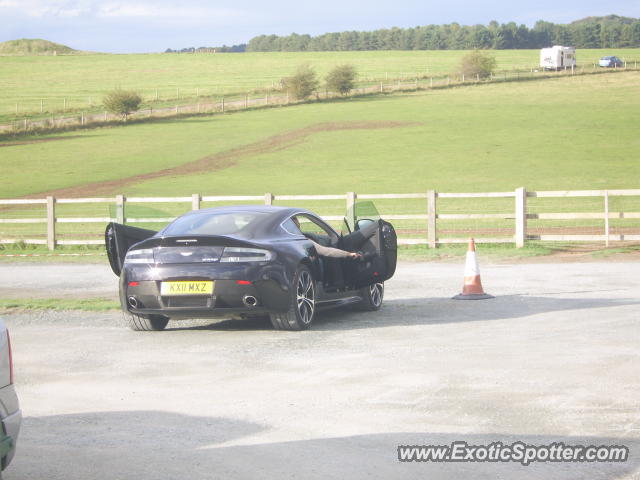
<point x="239" y="254"/>
<point x="10" y="358"/>
<point x="144" y="255"/>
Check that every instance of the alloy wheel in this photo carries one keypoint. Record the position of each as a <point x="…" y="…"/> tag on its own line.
<point x="305" y="296"/>
<point x="376" y="291"/>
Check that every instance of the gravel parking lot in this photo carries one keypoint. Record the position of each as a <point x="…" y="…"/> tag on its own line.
<point x="553" y="358"/>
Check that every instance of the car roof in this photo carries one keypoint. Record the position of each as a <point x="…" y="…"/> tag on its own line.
<point x="266" y="225"/>
<point x="275" y="211"/>
<point x="245" y="208"/>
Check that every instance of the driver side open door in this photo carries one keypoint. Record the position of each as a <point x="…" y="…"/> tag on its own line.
<point x="365" y="232"/>
<point x="118" y="239"/>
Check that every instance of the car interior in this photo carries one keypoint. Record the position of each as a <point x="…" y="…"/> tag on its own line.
<point x="338" y="273"/>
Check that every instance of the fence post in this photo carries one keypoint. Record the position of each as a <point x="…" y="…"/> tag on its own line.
<point x="521" y="217"/>
<point x="351" y="208"/>
<point x="51" y="223"/>
<point x="195" y="201"/>
<point x="120" y="218"/>
<point x="222" y="104"/>
<point x="606" y="218"/>
<point x="432" y="234"/>
<point x="268" y="198"/>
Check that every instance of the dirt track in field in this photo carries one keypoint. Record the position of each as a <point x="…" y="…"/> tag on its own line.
<point x="218" y="161"/>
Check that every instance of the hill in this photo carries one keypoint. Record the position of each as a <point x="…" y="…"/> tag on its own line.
<point x="34" y="46"/>
<point x="607" y="19"/>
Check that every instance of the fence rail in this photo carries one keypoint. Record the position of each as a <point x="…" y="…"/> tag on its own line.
<point x="519" y="215"/>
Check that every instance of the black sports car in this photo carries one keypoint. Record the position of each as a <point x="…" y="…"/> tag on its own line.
<point x="248" y="261"/>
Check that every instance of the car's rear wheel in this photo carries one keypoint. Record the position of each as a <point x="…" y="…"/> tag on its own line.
<point x="302" y="306"/>
<point x="372" y="296"/>
<point x="145" y="324"/>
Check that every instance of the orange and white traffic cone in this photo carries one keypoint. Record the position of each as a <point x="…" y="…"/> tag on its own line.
<point x="472" y="288"/>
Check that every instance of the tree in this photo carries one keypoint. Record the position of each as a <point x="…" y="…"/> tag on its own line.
<point x="122" y="102"/>
<point x="341" y="79"/>
<point x="303" y="83"/>
<point x="477" y="63"/>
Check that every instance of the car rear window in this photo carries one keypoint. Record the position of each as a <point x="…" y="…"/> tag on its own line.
<point x="213" y="223"/>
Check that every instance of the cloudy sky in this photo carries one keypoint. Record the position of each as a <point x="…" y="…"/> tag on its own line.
<point x="150" y="26"/>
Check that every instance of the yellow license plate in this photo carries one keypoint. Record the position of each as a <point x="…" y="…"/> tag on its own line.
<point x="187" y="288"/>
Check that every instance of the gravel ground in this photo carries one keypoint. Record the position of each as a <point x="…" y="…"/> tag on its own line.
<point x="553" y="358"/>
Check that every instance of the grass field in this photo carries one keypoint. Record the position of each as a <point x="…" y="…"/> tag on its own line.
<point x="559" y="134"/>
<point x="83" y="79"/>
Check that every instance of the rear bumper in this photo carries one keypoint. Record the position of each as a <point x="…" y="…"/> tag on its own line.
<point x="228" y="299"/>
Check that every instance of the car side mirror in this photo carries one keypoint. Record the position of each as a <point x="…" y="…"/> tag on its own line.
<point x="363" y="222"/>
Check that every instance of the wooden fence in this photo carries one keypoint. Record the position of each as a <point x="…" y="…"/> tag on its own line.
<point x="519" y="214"/>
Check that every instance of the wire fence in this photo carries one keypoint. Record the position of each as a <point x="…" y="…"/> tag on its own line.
<point x="44" y="114"/>
<point x="428" y="218"/>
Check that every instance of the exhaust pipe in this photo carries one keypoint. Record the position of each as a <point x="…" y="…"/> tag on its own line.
<point x="250" y="301"/>
<point x="133" y="302"/>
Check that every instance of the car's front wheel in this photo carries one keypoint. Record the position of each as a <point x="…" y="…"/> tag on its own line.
<point x="302" y="306"/>
<point x="145" y="324"/>
<point x="372" y="296"/>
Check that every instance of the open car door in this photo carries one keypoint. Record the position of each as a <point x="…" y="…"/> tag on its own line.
<point x="118" y="239"/>
<point x="365" y="232"/>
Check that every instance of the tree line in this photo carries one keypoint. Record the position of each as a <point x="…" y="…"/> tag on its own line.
<point x="223" y="49"/>
<point x="593" y="32"/>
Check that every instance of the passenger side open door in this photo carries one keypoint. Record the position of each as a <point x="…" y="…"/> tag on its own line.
<point x="118" y="239"/>
<point x="365" y="232"/>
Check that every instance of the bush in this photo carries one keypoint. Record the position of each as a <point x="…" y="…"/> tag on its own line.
<point x="477" y="64"/>
<point x="341" y="79"/>
<point x="302" y="84"/>
<point x="122" y="102"/>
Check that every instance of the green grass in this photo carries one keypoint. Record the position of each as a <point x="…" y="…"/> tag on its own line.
<point x="490" y="252"/>
<point x="84" y="79"/>
<point x="558" y="134"/>
<point x="34" y="46"/>
<point x="40" y="254"/>
<point x="90" y="304"/>
<point x="608" y="252"/>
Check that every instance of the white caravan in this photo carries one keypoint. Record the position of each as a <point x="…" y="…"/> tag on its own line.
<point x="557" y="57"/>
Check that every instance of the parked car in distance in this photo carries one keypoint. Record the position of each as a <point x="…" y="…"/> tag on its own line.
<point x="244" y="261"/>
<point x="10" y="413"/>
<point x="611" y="62"/>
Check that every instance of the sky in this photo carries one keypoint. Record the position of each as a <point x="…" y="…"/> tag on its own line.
<point x="140" y="26"/>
